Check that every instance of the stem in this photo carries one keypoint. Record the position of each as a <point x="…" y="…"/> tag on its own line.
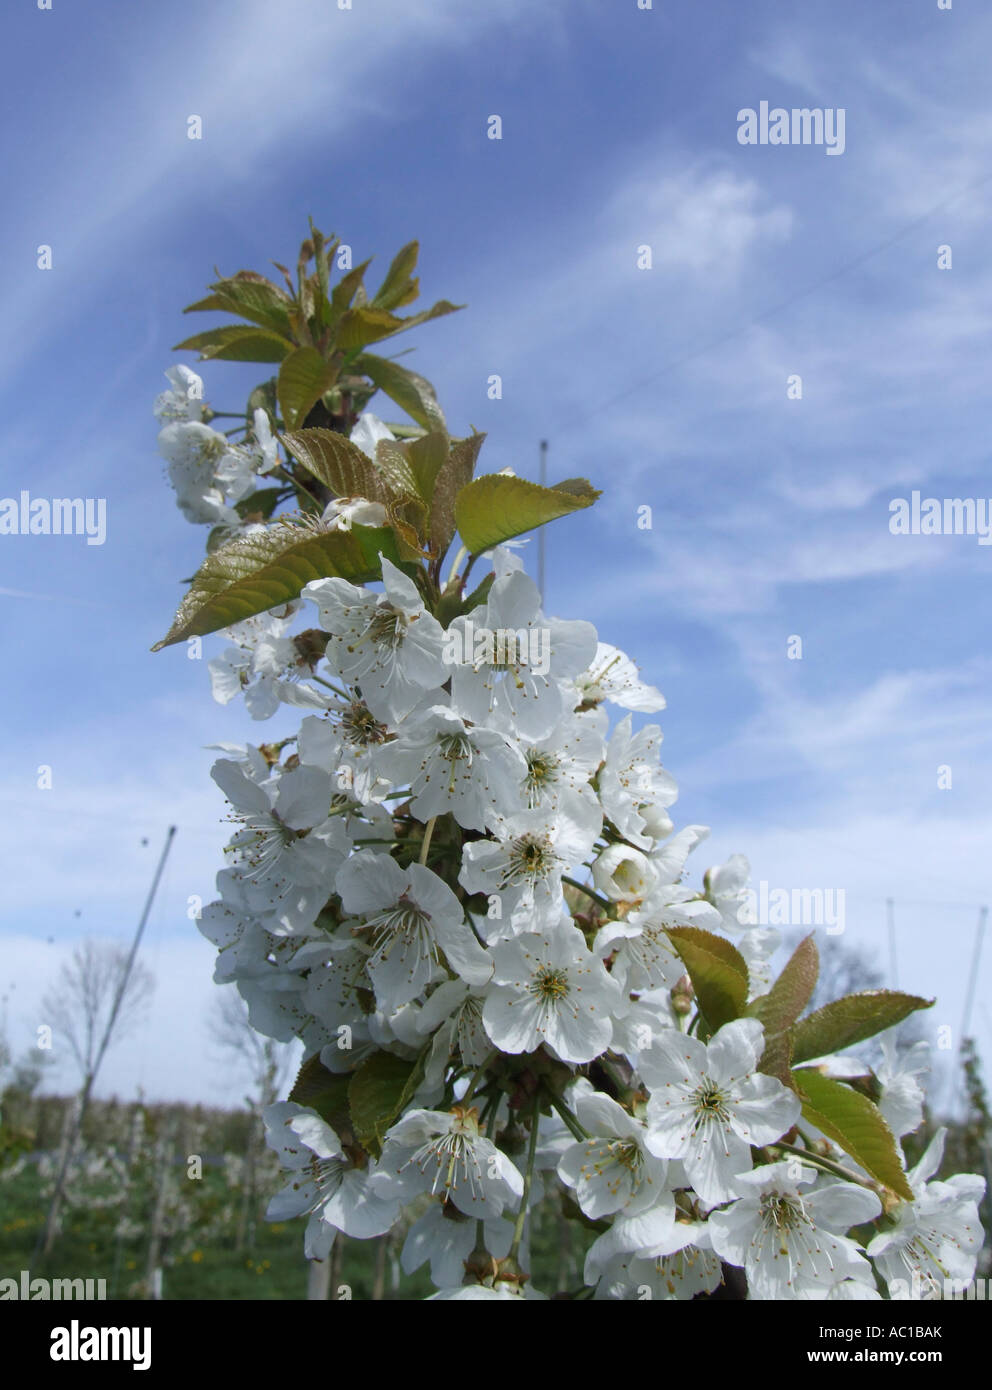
<point x="320" y="681"/>
<point x="425" y="846"/>
<point x="301" y="487"/>
<point x="477" y="1076"/>
<point x="613" y="1074"/>
<point x="487" y="1120"/>
<point x="603" y="902"/>
<point x="827" y="1164"/>
<point x="468" y="570"/>
<point x="518" y="1229"/>
<point x="570" y="1120"/>
<point x="454" y="568"/>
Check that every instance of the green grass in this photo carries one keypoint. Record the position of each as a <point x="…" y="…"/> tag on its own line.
<point x="202" y="1269"/>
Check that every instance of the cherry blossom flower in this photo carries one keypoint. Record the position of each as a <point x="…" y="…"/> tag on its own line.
<point x="611" y="675"/>
<point x="326" y="1185"/>
<point x="632" y="779"/>
<point x="902" y="1098"/>
<point x="535" y="702"/>
<point x="184" y="398"/>
<point x="444" y="1153"/>
<point x="521" y="871"/>
<point x="611" y="1171"/>
<point x="709" y="1104"/>
<point x="790" y="1242"/>
<point x="472" y="772"/>
<point x="446" y="1237"/>
<point x="409" y="918"/>
<point x="677" y="1268"/>
<point x="548" y="988"/>
<point x="935" y="1237"/>
<point x="387" y="644"/>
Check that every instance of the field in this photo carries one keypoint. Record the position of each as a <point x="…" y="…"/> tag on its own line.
<point x="207" y="1236"/>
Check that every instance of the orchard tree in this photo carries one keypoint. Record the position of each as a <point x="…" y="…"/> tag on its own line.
<point x="455" y="878"/>
<point x="97" y="997"/>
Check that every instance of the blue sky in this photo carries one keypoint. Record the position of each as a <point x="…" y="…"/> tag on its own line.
<point x="666" y="387"/>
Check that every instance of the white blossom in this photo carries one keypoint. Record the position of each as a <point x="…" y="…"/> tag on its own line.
<point x="548" y="988"/>
<point x="325" y="1184"/>
<point x="387" y="644"/>
<point x="709" y="1104"/>
<point x="935" y="1237"/>
<point x="409" y="917"/>
<point x="790" y="1241"/>
<point x="444" y="1153"/>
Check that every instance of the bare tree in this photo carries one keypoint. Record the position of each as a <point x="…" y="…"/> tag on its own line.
<point x="267" y="1062"/>
<point x="97" y="997"/>
<point x="80" y="1004"/>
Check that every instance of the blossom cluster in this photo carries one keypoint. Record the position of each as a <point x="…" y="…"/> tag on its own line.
<point x="457" y="862"/>
<point x="208" y="472"/>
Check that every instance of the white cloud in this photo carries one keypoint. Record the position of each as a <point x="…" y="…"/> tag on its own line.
<point x="706" y="220"/>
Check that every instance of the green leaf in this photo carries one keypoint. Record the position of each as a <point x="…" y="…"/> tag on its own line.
<point x="363" y="324"/>
<point x="211" y="302"/>
<point x="717" y="970"/>
<point x="412" y="392"/>
<point x="326" y="1092"/>
<point x="427" y="456"/>
<point x="376" y="1097"/>
<point x="251" y="296"/>
<point x="394" y="468"/>
<point x="851" y="1020"/>
<point x="262" y="503"/>
<point x="263" y="397"/>
<point x="234" y="342"/>
<point x="398" y="288"/>
<point x="851" y="1121"/>
<point x="346" y="289"/>
<point x="782" y="1005"/>
<point x="337" y="463"/>
<point x="264" y="569"/>
<point x="321" y="256"/>
<point x="789" y="995"/>
<point x="494" y="508"/>
<point x="776" y="1060"/>
<point x="366" y="324"/>
<point x="456" y="473"/>
<point x="303" y="378"/>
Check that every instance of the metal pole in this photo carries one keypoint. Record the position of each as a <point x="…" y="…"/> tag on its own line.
<point x="973" y="977"/>
<point x="47" y="1235"/>
<point x="541" y="535"/>
<point x="134" y="951"/>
